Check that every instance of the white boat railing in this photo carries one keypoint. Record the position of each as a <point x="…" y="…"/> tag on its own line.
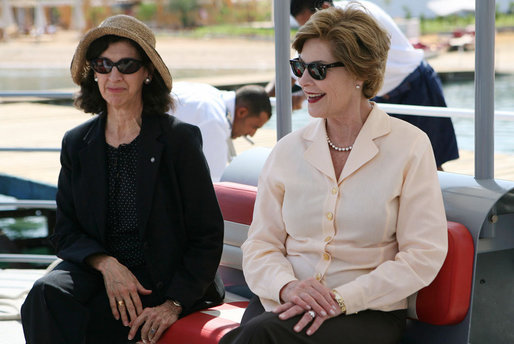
<point x="411" y="110"/>
<point x="27" y="258"/>
<point x="37" y="94"/>
<point x="28" y="204"/>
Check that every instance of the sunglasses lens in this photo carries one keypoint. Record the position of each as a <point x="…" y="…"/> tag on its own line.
<point x="128" y="66"/>
<point x="298" y="68"/>
<point x="102" y="65"/>
<point x="317" y="71"/>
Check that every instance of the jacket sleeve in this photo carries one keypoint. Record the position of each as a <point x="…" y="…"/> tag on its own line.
<point x="202" y="220"/>
<point x="71" y="241"/>
<point x="421" y="234"/>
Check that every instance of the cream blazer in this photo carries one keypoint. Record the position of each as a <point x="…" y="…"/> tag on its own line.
<point x="377" y="234"/>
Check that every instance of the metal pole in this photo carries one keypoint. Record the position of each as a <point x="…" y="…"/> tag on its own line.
<point x="484" y="89"/>
<point x="282" y="74"/>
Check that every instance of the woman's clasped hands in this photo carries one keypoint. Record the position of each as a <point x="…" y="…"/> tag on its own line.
<point x="124" y="290"/>
<point x="154" y="321"/>
<point x="312" y="299"/>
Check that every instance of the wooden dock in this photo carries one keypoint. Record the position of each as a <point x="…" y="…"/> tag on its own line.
<point x="43" y="126"/>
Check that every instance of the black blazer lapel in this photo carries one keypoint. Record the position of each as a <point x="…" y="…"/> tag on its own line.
<point x="93" y="162"/>
<point x="148" y="167"/>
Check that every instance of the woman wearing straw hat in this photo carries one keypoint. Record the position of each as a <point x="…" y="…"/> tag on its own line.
<point x="138" y="226"/>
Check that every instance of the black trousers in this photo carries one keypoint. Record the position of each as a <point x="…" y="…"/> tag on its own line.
<point x="372" y="327"/>
<point x="70" y="305"/>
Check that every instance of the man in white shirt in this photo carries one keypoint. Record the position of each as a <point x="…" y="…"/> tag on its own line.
<point x="221" y="117"/>
<point x="408" y="78"/>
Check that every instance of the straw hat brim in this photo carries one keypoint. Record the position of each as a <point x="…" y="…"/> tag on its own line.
<point x="131" y="28"/>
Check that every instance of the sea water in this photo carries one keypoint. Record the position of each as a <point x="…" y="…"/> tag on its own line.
<point x="458" y="94"/>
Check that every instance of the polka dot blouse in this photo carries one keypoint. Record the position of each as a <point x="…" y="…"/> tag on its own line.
<point x="122" y="218"/>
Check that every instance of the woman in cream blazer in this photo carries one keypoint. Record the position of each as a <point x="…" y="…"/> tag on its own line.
<point x="349" y="219"/>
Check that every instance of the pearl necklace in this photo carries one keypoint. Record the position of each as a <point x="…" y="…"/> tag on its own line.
<point x="339" y="149"/>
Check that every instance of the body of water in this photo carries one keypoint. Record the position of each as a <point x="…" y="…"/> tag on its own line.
<point x="459" y="94"/>
<point x="26" y="227"/>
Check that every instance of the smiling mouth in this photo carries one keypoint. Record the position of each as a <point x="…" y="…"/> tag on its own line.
<point x="314" y="97"/>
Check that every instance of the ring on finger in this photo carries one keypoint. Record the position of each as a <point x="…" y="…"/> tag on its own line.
<point x="152" y="331"/>
<point x="121" y="303"/>
<point x="312" y="314"/>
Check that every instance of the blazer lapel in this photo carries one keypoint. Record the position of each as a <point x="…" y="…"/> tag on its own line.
<point x="147" y="167"/>
<point x="365" y="148"/>
<point x="317" y="153"/>
<point x="93" y="162"/>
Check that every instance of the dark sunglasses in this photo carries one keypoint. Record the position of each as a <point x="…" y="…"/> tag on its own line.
<point x="103" y="65"/>
<point x="317" y="70"/>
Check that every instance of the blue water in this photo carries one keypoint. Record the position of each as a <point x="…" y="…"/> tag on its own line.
<point x="26" y="227"/>
<point x="459" y="94"/>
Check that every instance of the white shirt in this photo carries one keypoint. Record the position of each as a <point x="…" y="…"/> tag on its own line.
<point x="376" y="234"/>
<point x="210" y="110"/>
<point x="402" y="59"/>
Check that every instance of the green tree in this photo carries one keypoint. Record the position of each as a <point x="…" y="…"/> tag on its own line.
<point x="407" y="11"/>
<point x="184" y="8"/>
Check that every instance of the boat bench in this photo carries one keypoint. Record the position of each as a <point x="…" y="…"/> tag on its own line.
<point x="444" y="302"/>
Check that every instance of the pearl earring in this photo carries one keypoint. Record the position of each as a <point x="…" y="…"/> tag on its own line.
<point x="96" y="79"/>
<point x="357" y="86"/>
<point x="148" y="80"/>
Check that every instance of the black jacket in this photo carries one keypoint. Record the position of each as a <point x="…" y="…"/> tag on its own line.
<point x="180" y="223"/>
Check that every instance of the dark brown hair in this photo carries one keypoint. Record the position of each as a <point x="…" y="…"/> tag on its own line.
<point x="156" y="98"/>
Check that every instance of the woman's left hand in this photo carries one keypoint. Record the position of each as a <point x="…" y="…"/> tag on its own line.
<point x="289" y="310"/>
<point x="154" y="321"/>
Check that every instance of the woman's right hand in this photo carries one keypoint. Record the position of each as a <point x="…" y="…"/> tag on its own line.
<point x="310" y="294"/>
<point x="122" y="288"/>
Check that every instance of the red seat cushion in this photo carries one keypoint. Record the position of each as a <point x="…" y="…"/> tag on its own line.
<point x="446" y="300"/>
<point x="236" y="201"/>
<point x="205" y="327"/>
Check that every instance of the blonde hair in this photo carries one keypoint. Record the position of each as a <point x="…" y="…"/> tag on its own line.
<point x="355" y="38"/>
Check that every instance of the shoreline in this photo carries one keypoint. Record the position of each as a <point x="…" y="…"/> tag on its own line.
<point x="56" y="51"/>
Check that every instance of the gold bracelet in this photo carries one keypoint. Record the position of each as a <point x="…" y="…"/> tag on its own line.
<point x="340" y="301"/>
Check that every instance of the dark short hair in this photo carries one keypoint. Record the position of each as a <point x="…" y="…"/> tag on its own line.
<point x="156" y="97"/>
<point x="298" y="6"/>
<point x="255" y="98"/>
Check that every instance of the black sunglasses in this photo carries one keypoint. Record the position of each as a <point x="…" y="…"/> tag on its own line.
<point x="317" y="70"/>
<point x="103" y="65"/>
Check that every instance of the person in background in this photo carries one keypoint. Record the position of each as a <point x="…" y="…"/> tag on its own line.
<point x="135" y="253"/>
<point x="349" y="218"/>
<point x="221" y="116"/>
<point x="408" y="80"/>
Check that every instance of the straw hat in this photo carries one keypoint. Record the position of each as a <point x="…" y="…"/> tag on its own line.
<point x="123" y="26"/>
